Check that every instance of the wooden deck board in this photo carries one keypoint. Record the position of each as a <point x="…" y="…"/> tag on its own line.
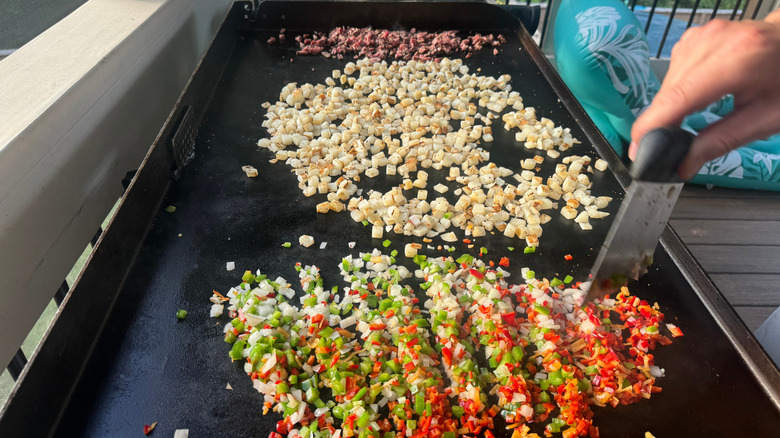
<point x="735" y="236"/>
<point x="696" y="191"/>
<point x="744" y="259"/>
<point x="727" y="209"/>
<point x="727" y="232"/>
<point x="749" y="289"/>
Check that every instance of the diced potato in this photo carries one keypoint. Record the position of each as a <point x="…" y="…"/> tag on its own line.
<point x="250" y="171"/>
<point x="449" y="237"/>
<point x="410" y="250"/>
<point x="351" y="127"/>
<point x="602" y="201"/>
<point x="596" y="214"/>
<point x="569" y="184"/>
<point x="528" y="164"/>
<point x="357" y="215"/>
<point x="510" y="230"/>
<point x="534" y="230"/>
<point x="569" y="212"/>
<point x="306" y="240"/>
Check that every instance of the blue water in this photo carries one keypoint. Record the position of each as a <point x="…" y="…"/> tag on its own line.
<point x="656" y="31"/>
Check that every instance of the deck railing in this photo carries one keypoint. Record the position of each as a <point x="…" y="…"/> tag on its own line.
<point x="665" y="20"/>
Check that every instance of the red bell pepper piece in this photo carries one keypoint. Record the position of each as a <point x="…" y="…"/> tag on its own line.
<point x="447" y="353"/>
<point x="335" y="359"/>
<point x="148" y="428"/>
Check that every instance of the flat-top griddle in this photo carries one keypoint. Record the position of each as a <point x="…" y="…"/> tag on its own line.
<point x="117" y="359"/>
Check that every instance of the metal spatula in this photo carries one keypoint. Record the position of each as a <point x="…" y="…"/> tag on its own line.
<point x="631" y="241"/>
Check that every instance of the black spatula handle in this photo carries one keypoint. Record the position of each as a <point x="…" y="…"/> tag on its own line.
<point x="660" y="153"/>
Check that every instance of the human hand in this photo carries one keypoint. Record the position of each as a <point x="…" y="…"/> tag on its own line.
<point x="722" y="57"/>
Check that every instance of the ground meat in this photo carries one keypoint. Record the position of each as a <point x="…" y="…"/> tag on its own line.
<point x="377" y="44"/>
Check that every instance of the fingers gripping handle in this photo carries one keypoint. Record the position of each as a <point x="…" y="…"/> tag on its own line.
<point x="660" y="153"/>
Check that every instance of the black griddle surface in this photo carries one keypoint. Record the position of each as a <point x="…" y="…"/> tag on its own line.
<point x="148" y="367"/>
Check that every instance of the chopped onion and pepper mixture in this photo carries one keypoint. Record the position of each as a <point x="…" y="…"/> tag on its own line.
<point x="370" y="361"/>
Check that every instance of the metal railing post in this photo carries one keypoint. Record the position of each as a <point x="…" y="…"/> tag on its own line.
<point x="744" y="10"/>
<point x="715" y="9"/>
<point x="17" y="364"/>
<point x="756" y="9"/>
<point x="666" y="30"/>
<point x="736" y="8"/>
<point x="693" y="14"/>
<point x="59" y="296"/>
<point x="547" y="18"/>
<point x="650" y="16"/>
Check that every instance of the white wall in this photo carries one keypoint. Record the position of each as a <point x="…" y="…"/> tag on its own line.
<point x="80" y="105"/>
